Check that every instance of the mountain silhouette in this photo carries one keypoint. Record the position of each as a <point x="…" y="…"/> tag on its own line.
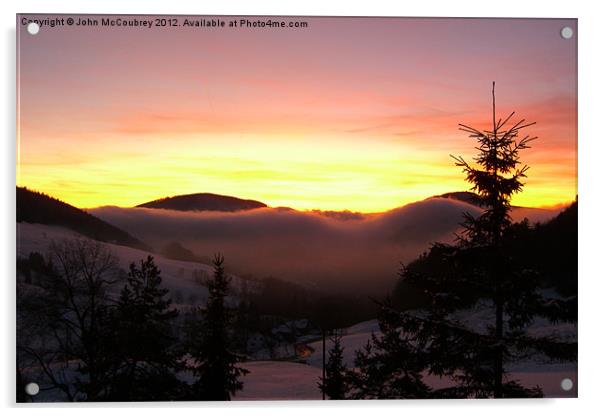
<point x="554" y="249"/>
<point x="203" y="202"/>
<point x="468" y="197"/>
<point x="36" y="207"/>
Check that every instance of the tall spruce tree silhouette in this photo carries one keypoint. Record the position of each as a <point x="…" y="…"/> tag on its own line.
<point x="495" y="180"/>
<point x="214" y="362"/>
<point x="146" y="348"/>
<point x="486" y="269"/>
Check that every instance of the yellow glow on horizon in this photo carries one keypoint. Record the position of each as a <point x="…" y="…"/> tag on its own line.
<point x="326" y="173"/>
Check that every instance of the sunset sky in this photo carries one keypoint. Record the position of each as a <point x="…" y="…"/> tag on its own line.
<point x="349" y="113"/>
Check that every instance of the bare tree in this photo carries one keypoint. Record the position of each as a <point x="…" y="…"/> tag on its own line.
<point x="75" y="311"/>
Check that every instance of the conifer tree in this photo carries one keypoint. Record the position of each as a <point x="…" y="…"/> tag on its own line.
<point x="335" y="384"/>
<point x="146" y="349"/>
<point x="511" y="289"/>
<point x="214" y="362"/>
<point x="485" y="269"/>
<point x="390" y="365"/>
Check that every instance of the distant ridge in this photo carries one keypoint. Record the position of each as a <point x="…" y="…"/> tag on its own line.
<point x="36" y="207"/>
<point x="203" y="202"/>
<point x="468" y="197"/>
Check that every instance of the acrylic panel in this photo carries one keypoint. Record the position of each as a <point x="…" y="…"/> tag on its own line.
<point x="295" y="208"/>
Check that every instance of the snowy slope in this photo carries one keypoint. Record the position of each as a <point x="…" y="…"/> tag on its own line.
<point x="355" y="338"/>
<point x="178" y="276"/>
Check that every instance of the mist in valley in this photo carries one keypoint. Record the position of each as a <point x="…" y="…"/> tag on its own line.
<point x="325" y="251"/>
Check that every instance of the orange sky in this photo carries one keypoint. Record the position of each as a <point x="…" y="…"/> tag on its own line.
<point x="350" y="113"/>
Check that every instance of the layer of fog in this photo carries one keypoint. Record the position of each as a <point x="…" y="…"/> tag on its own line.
<point x="326" y="251"/>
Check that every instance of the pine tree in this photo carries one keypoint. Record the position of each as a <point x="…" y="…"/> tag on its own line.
<point x="334" y="385"/>
<point x="485" y="269"/>
<point x="490" y="269"/>
<point x="390" y="366"/>
<point x="146" y="348"/>
<point x="214" y="362"/>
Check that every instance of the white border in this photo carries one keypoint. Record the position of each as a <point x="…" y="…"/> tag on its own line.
<point x="590" y="67"/>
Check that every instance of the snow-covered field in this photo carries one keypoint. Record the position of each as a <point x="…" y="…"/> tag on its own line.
<point x="532" y="373"/>
<point x="280" y="380"/>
